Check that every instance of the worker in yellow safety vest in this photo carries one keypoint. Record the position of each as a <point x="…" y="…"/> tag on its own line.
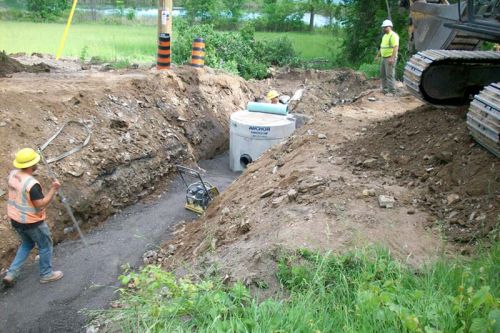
<point x="273" y="97"/>
<point x="26" y="210"/>
<point x="389" y="52"/>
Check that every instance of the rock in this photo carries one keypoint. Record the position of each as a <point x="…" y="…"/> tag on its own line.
<point x="452" y="198"/>
<point x="445" y="157"/>
<point x="410" y="211"/>
<point x="225" y="211"/>
<point x="369" y="192"/>
<point x="171" y="249"/>
<point x="308" y="187"/>
<point x="86" y="67"/>
<point x="372" y="99"/>
<point x="180" y="118"/>
<point x="244" y="227"/>
<point x="369" y="163"/>
<point x="292" y="195"/>
<point x="322" y="136"/>
<point x="452" y="215"/>
<point x="3" y="124"/>
<point x="105" y="67"/>
<point x="2" y="192"/>
<point x="472" y="216"/>
<point x="91" y="329"/>
<point x="386" y="201"/>
<point x="267" y="193"/>
<point x="278" y="201"/>
<point x="338" y="161"/>
<point x="280" y="163"/>
<point x="301" y="119"/>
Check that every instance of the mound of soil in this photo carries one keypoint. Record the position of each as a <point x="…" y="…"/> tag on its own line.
<point x="10" y="66"/>
<point x="430" y="151"/>
<point x="304" y="193"/>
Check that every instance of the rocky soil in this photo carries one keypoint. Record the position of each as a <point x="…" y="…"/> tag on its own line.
<point x="366" y="169"/>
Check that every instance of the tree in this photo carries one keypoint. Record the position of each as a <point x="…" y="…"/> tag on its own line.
<point x="312" y="7"/>
<point x="203" y="10"/>
<point x="282" y="14"/>
<point x="234" y="8"/>
<point x="361" y="20"/>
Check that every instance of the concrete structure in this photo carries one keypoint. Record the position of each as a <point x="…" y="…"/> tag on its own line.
<point x="252" y="133"/>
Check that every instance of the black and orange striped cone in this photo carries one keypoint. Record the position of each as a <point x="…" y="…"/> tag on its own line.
<point x="163" y="59"/>
<point x="198" y="53"/>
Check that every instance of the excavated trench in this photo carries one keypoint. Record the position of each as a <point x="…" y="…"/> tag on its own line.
<point x="91" y="273"/>
<point x="143" y="124"/>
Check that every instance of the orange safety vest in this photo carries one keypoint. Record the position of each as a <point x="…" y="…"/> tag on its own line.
<point x="19" y="206"/>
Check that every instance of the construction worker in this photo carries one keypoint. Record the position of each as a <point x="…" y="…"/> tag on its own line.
<point x="26" y="210"/>
<point x="273" y="97"/>
<point x="389" y="52"/>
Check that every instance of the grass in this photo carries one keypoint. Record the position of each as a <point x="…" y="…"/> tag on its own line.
<point x="133" y="43"/>
<point x="361" y="291"/>
<point x="308" y="45"/>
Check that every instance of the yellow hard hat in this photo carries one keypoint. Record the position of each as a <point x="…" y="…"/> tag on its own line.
<point x="26" y="158"/>
<point x="272" y="94"/>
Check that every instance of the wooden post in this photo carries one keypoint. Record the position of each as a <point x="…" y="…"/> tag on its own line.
<point x="163" y="58"/>
<point x="165" y="8"/>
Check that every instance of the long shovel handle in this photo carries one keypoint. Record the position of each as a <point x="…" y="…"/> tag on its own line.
<point x="63" y="199"/>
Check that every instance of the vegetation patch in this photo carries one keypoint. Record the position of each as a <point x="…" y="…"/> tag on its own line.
<point x="361" y="291"/>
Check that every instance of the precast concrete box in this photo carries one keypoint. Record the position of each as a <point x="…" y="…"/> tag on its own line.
<point x="252" y="133"/>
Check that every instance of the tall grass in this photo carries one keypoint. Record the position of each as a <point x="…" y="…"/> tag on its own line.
<point x="133" y="43"/>
<point x="362" y="291"/>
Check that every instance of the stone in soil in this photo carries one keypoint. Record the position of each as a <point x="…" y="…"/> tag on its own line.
<point x="386" y="201"/>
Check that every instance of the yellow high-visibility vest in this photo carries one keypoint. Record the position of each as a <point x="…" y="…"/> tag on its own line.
<point x="389" y="42"/>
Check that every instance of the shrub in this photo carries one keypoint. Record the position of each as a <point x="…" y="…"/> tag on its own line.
<point x="46" y="9"/>
<point x="370" y="70"/>
<point x="235" y="52"/>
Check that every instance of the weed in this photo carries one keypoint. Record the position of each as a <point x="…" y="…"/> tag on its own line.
<point x="361" y="291"/>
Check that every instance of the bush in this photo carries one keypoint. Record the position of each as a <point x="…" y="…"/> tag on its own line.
<point x="370" y="70"/>
<point x="46" y="9"/>
<point x="235" y="52"/>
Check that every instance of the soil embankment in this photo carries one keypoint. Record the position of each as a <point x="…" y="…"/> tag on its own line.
<point x="320" y="189"/>
<point x="142" y="123"/>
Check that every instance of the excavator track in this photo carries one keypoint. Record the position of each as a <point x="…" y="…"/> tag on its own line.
<point x="483" y="118"/>
<point x="450" y="77"/>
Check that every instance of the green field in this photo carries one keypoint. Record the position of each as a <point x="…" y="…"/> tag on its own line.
<point x="122" y="42"/>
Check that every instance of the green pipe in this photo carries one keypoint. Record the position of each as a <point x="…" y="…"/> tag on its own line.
<point x="280" y="109"/>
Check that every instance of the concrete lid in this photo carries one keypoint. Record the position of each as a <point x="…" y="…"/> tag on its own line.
<point x="261" y="119"/>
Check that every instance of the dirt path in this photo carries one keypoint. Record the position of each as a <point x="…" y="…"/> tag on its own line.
<point x="91" y="273"/>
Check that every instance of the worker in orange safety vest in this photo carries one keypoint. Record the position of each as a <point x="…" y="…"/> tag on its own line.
<point x="26" y="210"/>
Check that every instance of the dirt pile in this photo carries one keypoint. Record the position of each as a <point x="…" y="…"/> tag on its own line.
<point x="305" y="193"/>
<point x="10" y="66"/>
<point x="430" y="152"/>
<point x="142" y="123"/>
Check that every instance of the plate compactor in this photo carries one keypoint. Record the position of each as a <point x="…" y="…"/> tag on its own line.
<point x="199" y="194"/>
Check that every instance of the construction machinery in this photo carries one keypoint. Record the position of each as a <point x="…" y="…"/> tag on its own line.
<point x="200" y="193"/>
<point x="450" y="69"/>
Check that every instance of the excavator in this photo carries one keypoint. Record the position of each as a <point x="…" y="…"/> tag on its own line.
<point x="449" y="67"/>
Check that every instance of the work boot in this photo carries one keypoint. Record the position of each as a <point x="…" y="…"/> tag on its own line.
<point x="56" y="275"/>
<point x="8" y="280"/>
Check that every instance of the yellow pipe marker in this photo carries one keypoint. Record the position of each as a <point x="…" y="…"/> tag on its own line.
<point x="66" y="30"/>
